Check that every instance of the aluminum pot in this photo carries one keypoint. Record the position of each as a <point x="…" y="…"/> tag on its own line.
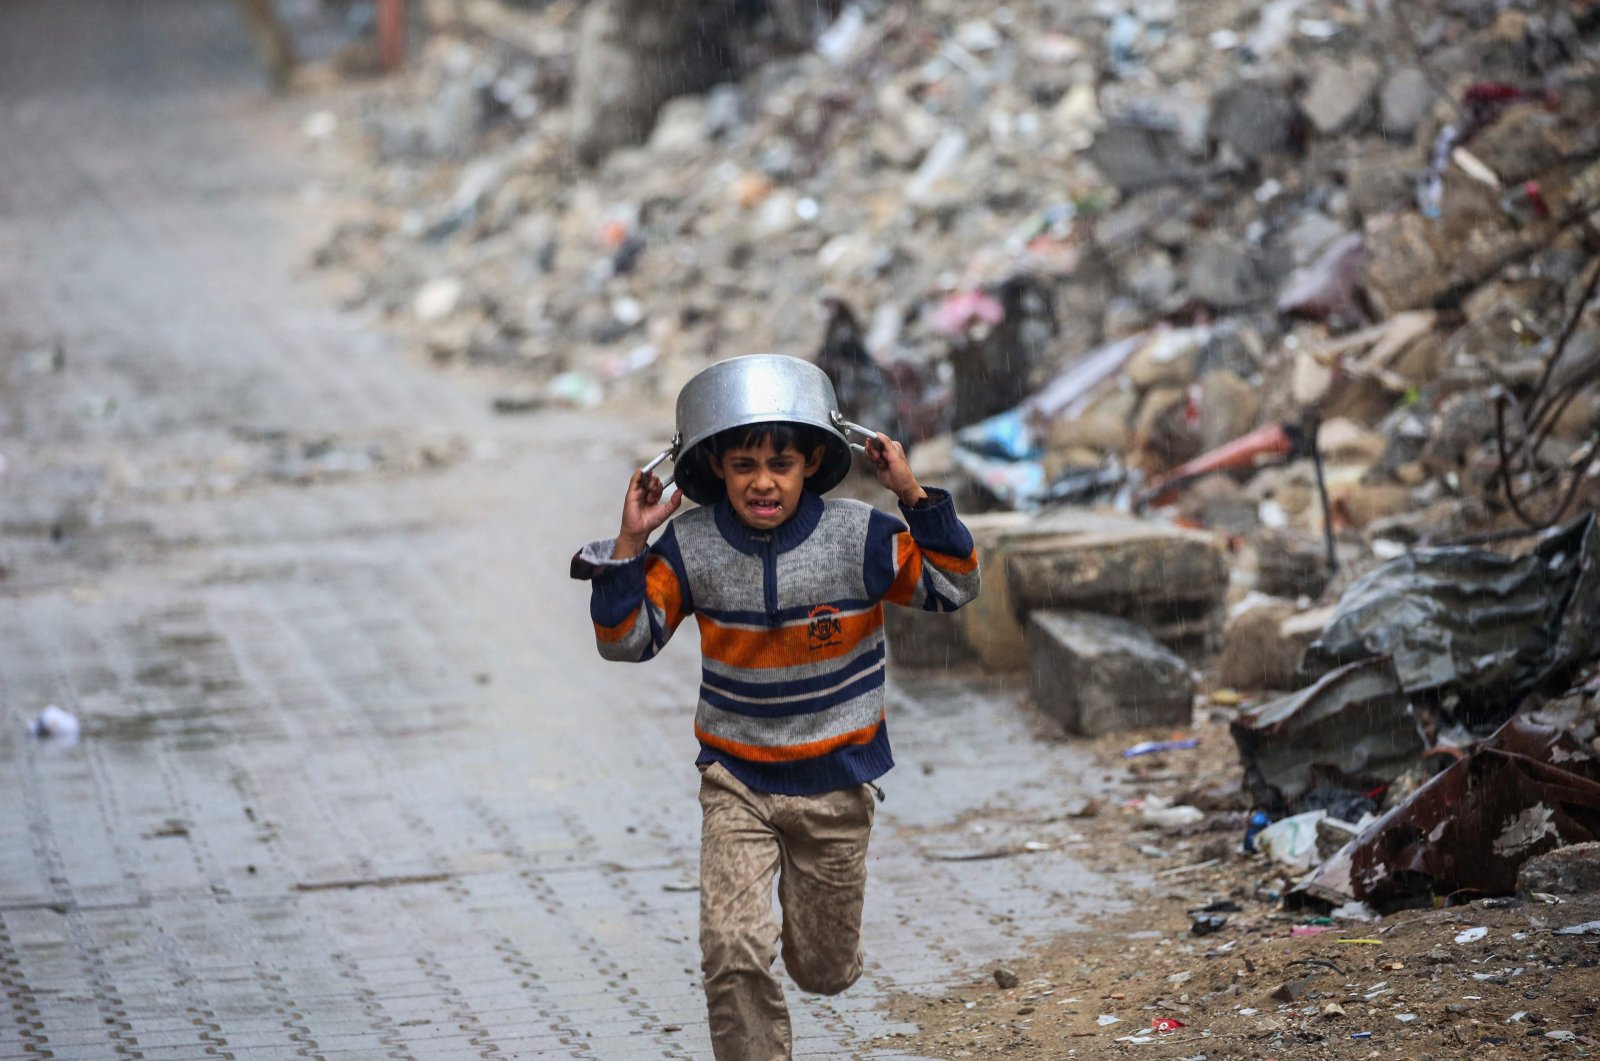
<point x="750" y="390"/>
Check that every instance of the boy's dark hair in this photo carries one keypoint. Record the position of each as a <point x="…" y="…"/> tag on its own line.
<point x="783" y="434"/>
<point x="699" y="484"/>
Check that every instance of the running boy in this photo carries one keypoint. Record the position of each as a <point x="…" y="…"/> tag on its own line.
<point x="788" y="592"/>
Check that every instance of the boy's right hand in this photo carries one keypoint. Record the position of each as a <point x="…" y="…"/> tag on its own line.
<point x="642" y="512"/>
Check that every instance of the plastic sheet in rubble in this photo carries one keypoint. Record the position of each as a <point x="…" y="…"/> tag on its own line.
<point x="1473" y="630"/>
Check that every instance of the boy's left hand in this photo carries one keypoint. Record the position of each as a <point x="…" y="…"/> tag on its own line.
<point x="888" y="459"/>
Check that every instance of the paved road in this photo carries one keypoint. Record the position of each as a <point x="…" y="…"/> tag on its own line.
<point x="352" y="781"/>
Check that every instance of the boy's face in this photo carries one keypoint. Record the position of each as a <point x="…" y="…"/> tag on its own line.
<point x="764" y="485"/>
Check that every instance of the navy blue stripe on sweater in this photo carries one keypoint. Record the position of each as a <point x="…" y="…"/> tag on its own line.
<point x="614" y="597"/>
<point x="795" y="687"/>
<point x="808" y="706"/>
<point x="852" y="765"/>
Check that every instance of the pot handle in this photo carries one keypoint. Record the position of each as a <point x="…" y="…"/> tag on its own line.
<point x="855" y="429"/>
<point x="671" y="451"/>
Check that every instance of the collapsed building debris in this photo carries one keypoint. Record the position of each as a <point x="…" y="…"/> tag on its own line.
<point x="1334" y="746"/>
<point x="1470" y="630"/>
<point x="1522" y="792"/>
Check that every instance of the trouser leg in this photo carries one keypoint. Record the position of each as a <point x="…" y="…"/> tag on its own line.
<point x="739" y="854"/>
<point x="822" y="886"/>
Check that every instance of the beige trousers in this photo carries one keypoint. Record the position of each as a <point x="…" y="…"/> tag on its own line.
<point x="817" y="848"/>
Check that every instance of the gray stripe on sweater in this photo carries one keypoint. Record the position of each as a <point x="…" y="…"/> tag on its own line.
<point x="856" y="713"/>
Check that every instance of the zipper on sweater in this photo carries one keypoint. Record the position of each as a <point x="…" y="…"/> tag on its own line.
<point x="769" y="578"/>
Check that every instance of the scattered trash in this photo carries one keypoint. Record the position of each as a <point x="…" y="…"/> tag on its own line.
<point x="1156" y="811"/>
<point x="1167" y="1024"/>
<point x="1259" y="820"/>
<point x="1292" y="841"/>
<point x="1151" y="747"/>
<point x="55" y="724"/>
<point x="1206" y="924"/>
<point x="1588" y="928"/>
<point x="1105" y="1020"/>
<point x="1472" y="935"/>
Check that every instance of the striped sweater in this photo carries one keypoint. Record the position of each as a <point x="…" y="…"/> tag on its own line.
<point x="791" y="626"/>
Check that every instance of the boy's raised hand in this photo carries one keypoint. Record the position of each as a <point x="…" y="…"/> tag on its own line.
<point x="642" y="512"/>
<point x="888" y="458"/>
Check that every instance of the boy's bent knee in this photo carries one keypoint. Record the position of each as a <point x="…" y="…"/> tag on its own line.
<point x="829" y="981"/>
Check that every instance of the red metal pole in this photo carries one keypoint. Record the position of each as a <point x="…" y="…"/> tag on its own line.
<point x="391" y="33"/>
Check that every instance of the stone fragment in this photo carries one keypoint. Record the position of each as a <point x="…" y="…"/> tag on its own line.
<point x="1404" y="101"/>
<point x="1571" y="870"/>
<point x="1525" y="141"/>
<point x="1103" y="426"/>
<point x="1167" y="358"/>
<point x="1464" y="422"/>
<point x="1379" y="184"/>
<point x="1256" y="119"/>
<point x="1228" y="408"/>
<point x="1136" y="153"/>
<point x="1226" y="273"/>
<point x="1406" y="262"/>
<point x="1171" y="580"/>
<point x="1343" y="442"/>
<point x="1099" y="674"/>
<point x="1252" y="657"/>
<point x="1290" y="564"/>
<point x="1340" y="97"/>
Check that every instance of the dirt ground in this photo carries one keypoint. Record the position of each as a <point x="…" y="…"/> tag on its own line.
<point x="1403" y="985"/>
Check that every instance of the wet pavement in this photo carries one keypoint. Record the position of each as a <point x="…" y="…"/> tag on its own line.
<point x="352" y="780"/>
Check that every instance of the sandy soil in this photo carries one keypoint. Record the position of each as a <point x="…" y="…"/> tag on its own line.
<point x="1407" y="985"/>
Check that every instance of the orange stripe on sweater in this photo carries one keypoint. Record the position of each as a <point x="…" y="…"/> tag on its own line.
<point x="960" y="565"/>
<point x="613" y="634"/>
<point x="661" y="586"/>
<point x="908" y="570"/>
<point x="785" y="646"/>
<point x="788" y="753"/>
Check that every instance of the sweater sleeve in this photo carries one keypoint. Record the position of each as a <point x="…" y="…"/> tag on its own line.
<point x="930" y="564"/>
<point x="637" y="603"/>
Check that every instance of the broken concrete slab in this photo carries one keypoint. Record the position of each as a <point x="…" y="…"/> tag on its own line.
<point x="1099" y="674"/>
<point x="1170" y="580"/>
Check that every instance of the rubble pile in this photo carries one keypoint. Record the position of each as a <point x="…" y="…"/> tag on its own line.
<point x="1314" y="280"/>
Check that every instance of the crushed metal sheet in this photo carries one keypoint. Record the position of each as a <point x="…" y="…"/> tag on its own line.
<point x="1524" y="791"/>
<point x="1473" y="630"/>
<point x="1333" y="746"/>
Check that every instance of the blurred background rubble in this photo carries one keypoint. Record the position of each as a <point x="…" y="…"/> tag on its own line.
<point x="1262" y="340"/>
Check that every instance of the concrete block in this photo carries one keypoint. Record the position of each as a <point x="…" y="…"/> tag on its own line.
<point x="1090" y="561"/>
<point x="924" y="640"/>
<point x="991" y="624"/>
<point x="1098" y="674"/>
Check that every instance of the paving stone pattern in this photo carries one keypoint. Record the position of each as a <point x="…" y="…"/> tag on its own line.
<point x="352" y="781"/>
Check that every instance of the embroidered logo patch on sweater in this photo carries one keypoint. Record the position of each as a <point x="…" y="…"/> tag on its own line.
<point x="825" y="628"/>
